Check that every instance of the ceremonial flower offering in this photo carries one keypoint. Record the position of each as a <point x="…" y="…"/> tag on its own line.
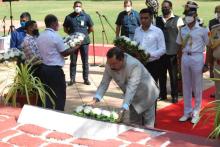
<point x="73" y="40"/>
<point x="11" y="55"/>
<point x="132" y="48"/>
<point x="96" y="113"/>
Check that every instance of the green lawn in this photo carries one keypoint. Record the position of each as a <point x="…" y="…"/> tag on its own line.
<point x="39" y="9"/>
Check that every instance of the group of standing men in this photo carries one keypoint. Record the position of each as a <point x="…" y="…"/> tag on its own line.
<point x="180" y="43"/>
<point x="167" y="38"/>
<point x="46" y="50"/>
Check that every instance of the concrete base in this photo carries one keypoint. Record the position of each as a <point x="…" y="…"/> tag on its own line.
<point x="77" y="126"/>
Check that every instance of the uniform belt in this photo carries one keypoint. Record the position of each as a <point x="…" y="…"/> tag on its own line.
<point x="191" y="53"/>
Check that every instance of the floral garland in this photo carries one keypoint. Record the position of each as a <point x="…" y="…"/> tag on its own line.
<point x="11" y="55"/>
<point x="132" y="48"/>
<point x="73" y="40"/>
<point x="96" y="113"/>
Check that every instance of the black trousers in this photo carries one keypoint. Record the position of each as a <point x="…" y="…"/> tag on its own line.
<point x="36" y="69"/>
<point x="154" y="69"/>
<point x="84" y="49"/>
<point x="168" y="62"/>
<point x="53" y="76"/>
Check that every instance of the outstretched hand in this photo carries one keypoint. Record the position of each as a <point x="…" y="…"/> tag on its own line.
<point x="121" y="116"/>
<point x="92" y="102"/>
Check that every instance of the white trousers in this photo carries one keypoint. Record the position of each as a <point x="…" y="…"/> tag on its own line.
<point x="191" y="68"/>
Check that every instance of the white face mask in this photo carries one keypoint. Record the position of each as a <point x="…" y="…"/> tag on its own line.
<point x="78" y="9"/>
<point x="217" y="15"/>
<point x="127" y="9"/>
<point x="189" y="19"/>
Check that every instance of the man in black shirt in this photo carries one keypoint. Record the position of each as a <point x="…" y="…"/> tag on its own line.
<point x="79" y="21"/>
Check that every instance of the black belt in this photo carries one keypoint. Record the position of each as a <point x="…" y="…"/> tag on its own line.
<point x="52" y="66"/>
<point x="190" y="53"/>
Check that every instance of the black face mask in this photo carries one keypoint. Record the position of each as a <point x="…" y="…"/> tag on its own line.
<point x="36" y="32"/>
<point x="166" y="11"/>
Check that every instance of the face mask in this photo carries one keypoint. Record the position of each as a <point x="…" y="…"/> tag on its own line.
<point x="22" y="24"/>
<point x="127" y="9"/>
<point x="35" y="32"/>
<point x="166" y="11"/>
<point x="217" y="15"/>
<point x="189" y="19"/>
<point x="78" y="9"/>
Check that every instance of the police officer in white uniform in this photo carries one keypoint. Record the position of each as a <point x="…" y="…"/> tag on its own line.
<point x="192" y="40"/>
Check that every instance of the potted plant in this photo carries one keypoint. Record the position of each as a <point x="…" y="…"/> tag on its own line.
<point x="213" y="110"/>
<point x="26" y="89"/>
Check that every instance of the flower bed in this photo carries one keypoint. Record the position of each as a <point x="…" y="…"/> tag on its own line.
<point x="96" y="113"/>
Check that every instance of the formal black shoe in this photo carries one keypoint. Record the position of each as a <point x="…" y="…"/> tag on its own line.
<point x="174" y="99"/>
<point x="162" y="98"/>
<point x="71" y="82"/>
<point x="86" y="82"/>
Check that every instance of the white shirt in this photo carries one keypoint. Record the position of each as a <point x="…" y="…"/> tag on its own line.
<point x="198" y="38"/>
<point x="50" y="45"/>
<point x="179" y="21"/>
<point x="151" y="40"/>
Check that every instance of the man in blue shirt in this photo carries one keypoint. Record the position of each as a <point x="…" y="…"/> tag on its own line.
<point x="79" y="21"/>
<point x="127" y="21"/>
<point x="18" y="35"/>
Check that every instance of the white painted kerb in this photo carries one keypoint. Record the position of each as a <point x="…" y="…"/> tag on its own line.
<point x="70" y="124"/>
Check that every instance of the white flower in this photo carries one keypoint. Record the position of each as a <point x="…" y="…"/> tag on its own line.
<point x="127" y="39"/>
<point x="16" y="53"/>
<point x="106" y="113"/>
<point x="114" y="115"/>
<point x="75" y="40"/>
<point x="1" y="57"/>
<point x="97" y="111"/>
<point x="81" y="38"/>
<point x="140" y="47"/>
<point x="6" y="56"/>
<point x="72" y="44"/>
<point x="134" y="43"/>
<point x="11" y="54"/>
<point x="87" y="109"/>
<point x="123" y="37"/>
<point x="79" y="109"/>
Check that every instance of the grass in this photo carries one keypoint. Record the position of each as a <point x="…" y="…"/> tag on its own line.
<point x="39" y="9"/>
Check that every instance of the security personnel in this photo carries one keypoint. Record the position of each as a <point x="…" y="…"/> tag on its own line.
<point x="191" y="5"/>
<point x="192" y="40"/>
<point x="127" y="21"/>
<point x="213" y="53"/>
<point x="79" y="21"/>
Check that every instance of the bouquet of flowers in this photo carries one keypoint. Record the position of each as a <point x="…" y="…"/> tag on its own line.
<point x="12" y="55"/>
<point x="96" y="113"/>
<point x="73" y="40"/>
<point x="132" y="48"/>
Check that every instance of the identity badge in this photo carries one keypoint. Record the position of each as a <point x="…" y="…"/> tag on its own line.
<point x="82" y="22"/>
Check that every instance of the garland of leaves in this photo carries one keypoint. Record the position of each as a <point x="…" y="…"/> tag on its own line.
<point x="96" y="113"/>
<point x="132" y="48"/>
<point x="12" y="55"/>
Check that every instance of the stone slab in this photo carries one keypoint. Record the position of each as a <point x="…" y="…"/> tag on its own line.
<point x="77" y="126"/>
